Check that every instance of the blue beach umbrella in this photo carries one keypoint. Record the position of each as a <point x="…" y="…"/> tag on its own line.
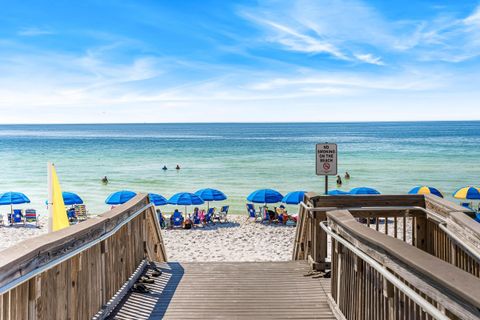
<point x="363" y="190"/>
<point x="209" y="194"/>
<point x="185" y="199"/>
<point x="426" y="190"/>
<point x="337" y="192"/>
<point x="70" y="199"/>
<point x="265" y="196"/>
<point x="470" y="193"/>
<point x="120" y="197"/>
<point x="10" y="198"/>
<point x="157" y="199"/>
<point x="294" y="197"/>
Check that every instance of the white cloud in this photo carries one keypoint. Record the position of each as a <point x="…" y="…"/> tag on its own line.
<point x="369" y="58"/>
<point x="34" y="31"/>
<point x="295" y="40"/>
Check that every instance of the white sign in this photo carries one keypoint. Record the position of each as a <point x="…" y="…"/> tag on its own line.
<point x="326" y="159"/>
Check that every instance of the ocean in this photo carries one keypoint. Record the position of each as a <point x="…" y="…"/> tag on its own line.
<point x="236" y="158"/>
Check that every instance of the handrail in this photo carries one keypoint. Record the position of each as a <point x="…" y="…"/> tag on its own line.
<point x="442" y="222"/>
<point x="424" y="304"/>
<point x="67" y="256"/>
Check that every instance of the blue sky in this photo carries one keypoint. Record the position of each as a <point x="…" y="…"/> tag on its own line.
<point x="201" y="61"/>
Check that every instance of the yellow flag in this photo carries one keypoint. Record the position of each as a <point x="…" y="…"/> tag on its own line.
<point x="58" y="212"/>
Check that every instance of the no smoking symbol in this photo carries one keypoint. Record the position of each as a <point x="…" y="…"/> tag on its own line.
<point x="326" y="166"/>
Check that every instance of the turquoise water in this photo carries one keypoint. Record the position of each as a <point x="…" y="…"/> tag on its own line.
<point x="236" y="158"/>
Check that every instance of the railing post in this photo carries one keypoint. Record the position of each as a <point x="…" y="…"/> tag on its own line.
<point x="319" y="241"/>
<point x="421" y="232"/>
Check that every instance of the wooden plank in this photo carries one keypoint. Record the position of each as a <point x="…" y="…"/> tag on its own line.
<point x="275" y="290"/>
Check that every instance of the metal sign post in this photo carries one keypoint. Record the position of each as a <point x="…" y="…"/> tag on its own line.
<point x="326" y="161"/>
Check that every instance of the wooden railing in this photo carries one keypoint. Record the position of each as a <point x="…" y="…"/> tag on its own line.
<point x="422" y="221"/>
<point x="375" y="276"/>
<point x="73" y="273"/>
<point x="419" y="243"/>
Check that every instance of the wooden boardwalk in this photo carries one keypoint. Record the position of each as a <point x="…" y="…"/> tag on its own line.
<point x="247" y="290"/>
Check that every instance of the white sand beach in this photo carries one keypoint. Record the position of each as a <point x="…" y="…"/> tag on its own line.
<point x="237" y="240"/>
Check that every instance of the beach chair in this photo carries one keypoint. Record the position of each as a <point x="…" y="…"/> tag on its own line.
<point x="81" y="212"/>
<point x="222" y="214"/>
<point x="196" y="218"/>
<point x="72" y="217"/>
<point x="252" y="213"/>
<point x="17" y="217"/>
<point x="209" y="216"/>
<point x="31" y="216"/>
<point x="176" y="219"/>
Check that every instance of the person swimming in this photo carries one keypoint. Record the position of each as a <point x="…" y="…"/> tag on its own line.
<point x="164" y="168"/>
<point x="105" y="180"/>
<point x="177" y="167"/>
<point x="339" y="180"/>
<point x="347" y="175"/>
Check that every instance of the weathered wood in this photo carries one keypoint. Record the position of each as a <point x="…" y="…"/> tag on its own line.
<point x="440" y="281"/>
<point x="78" y="287"/>
<point x="246" y="290"/>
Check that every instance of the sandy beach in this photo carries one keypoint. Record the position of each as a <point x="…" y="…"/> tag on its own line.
<point x="238" y="239"/>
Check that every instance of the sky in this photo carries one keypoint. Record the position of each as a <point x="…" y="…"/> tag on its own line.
<point x="100" y="61"/>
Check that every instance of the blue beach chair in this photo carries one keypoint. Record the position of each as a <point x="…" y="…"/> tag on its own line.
<point x="209" y="216"/>
<point x="176" y="219"/>
<point x="252" y="213"/>
<point x="17" y="217"/>
<point x="222" y="215"/>
<point x="196" y="217"/>
<point x="72" y="217"/>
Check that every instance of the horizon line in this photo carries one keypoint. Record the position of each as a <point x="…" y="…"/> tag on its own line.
<point x="231" y="122"/>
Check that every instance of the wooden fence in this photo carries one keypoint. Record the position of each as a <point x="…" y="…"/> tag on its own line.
<point x="424" y="242"/>
<point x="364" y="292"/>
<point x="420" y="220"/>
<point x="72" y="273"/>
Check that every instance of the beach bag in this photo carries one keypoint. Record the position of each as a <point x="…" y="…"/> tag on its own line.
<point x="188" y="224"/>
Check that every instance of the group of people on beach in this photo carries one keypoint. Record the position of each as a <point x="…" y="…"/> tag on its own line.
<point x="339" y="179"/>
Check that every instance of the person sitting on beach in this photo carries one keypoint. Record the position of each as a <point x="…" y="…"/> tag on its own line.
<point x="339" y="181"/>
<point x="188" y="223"/>
<point x="105" y="180"/>
<point x="177" y="167"/>
<point x="347" y="175"/>
<point x="161" y="219"/>
<point x="164" y="168"/>
<point x="196" y="216"/>
<point x="282" y="214"/>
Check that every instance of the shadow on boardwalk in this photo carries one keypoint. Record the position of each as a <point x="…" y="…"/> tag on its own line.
<point x="154" y="304"/>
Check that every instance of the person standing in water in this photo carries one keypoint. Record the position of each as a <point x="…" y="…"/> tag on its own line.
<point x="105" y="180"/>
<point x="178" y="167"/>
<point x="164" y="168"/>
<point x="339" y="181"/>
<point x="347" y="175"/>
